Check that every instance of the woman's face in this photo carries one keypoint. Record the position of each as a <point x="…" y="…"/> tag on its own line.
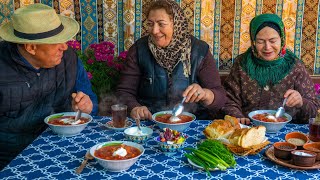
<point x="268" y="43"/>
<point x="160" y="27"/>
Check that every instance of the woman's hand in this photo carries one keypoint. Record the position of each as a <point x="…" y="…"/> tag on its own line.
<point x="294" y="98"/>
<point x="245" y="121"/>
<point x="81" y="101"/>
<point x="140" y="112"/>
<point x="195" y="93"/>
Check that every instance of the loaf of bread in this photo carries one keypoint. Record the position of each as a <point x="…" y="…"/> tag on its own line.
<point x="221" y="128"/>
<point x="229" y="128"/>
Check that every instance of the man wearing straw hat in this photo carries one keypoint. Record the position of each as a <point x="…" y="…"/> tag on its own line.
<point x="39" y="75"/>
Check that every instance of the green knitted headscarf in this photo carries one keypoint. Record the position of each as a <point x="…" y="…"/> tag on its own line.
<point x="263" y="71"/>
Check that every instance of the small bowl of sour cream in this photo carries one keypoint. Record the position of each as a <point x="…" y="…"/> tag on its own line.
<point x="297" y="138"/>
<point x="303" y="158"/>
<point x="135" y="135"/>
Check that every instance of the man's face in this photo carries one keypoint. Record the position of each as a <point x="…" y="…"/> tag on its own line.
<point x="48" y="55"/>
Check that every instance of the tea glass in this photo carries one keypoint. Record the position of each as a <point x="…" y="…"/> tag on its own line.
<point x="119" y="115"/>
<point x="314" y="130"/>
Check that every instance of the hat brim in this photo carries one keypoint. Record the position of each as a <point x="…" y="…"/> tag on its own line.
<point x="71" y="28"/>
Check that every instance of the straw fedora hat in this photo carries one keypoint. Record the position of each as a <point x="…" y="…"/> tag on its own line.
<point x="39" y="24"/>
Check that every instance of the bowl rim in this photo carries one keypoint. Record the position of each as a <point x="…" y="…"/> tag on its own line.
<point x="266" y="110"/>
<point x="305" y="151"/>
<point x="170" y="112"/>
<point x="287" y="150"/>
<point x="309" y="144"/>
<point x="297" y="132"/>
<point x="95" y="147"/>
<point x="137" y="135"/>
<point x="72" y="125"/>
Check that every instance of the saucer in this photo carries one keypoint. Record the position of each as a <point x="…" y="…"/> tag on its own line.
<point x="109" y="125"/>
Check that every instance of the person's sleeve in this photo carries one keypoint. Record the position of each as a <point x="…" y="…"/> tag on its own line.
<point x="129" y="81"/>
<point x="83" y="84"/>
<point x="310" y="101"/>
<point x="232" y="85"/>
<point x="209" y="78"/>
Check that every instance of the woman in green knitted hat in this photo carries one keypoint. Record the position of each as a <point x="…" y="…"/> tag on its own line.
<point x="267" y="73"/>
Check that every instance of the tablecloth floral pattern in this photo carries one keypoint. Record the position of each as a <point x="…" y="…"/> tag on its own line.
<point x="53" y="157"/>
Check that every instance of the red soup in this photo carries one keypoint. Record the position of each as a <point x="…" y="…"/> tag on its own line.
<point x="264" y="117"/>
<point x="106" y="152"/>
<point x="66" y="120"/>
<point x="165" y="118"/>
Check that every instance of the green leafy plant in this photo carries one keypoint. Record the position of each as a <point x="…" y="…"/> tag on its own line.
<point x="102" y="66"/>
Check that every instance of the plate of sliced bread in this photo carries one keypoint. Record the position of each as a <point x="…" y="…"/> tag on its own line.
<point x="242" y="139"/>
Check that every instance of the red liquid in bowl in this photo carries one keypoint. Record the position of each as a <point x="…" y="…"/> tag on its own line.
<point x="57" y="121"/>
<point x="165" y="118"/>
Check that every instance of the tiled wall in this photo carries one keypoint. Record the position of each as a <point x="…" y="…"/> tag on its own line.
<point x="223" y="24"/>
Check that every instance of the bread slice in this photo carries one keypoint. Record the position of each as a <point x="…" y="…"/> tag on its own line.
<point x="253" y="136"/>
<point x="236" y="136"/>
<point x="218" y="129"/>
<point x="233" y="120"/>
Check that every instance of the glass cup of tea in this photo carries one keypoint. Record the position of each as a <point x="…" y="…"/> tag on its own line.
<point x="314" y="130"/>
<point x="119" y="115"/>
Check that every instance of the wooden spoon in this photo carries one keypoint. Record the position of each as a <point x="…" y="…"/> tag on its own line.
<point x="84" y="162"/>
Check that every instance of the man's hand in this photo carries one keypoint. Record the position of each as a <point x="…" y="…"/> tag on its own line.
<point x="81" y="101"/>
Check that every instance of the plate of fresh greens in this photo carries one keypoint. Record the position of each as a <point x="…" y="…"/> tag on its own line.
<point x="210" y="155"/>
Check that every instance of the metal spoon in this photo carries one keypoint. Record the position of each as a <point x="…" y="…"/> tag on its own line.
<point x="78" y="115"/>
<point x="138" y="124"/>
<point x="281" y="109"/>
<point x="87" y="157"/>
<point x="177" y="110"/>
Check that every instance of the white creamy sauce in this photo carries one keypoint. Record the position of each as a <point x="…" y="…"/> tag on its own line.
<point x="299" y="153"/>
<point x="272" y="117"/>
<point x="120" y="152"/>
<point x="70" y="121"/>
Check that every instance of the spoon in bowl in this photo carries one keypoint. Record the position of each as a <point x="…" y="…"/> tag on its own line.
<point x="177" y="110"/>
<point x="281" y="109"/>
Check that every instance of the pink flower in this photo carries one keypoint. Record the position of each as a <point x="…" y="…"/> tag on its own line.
<point x="90" y="61"/>
<point x="74" y="44"/>
<point x="123" y="55"/>
<point x="90" y="76"/>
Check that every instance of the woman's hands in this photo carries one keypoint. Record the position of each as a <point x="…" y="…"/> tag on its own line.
<point x="140" y="112"/>
<point x="195" y="93"/>
<point x="294" y="98"/>
<point x="245" y="121"/>
<point x="81" y="101"/>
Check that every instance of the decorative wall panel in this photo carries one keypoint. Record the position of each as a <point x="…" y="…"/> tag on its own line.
<point x="223" y="24"/>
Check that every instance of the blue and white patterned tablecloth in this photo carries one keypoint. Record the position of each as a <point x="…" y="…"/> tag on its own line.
<point x="53" y="157"/>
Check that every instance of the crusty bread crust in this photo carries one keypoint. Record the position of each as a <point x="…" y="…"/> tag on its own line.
<point x="218" y="129"/>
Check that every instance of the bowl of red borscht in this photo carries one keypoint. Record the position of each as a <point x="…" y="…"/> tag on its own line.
<point x="116" y="156"/>
<point x="63" y="123"/>
<point x="266" y="118"/>
<point x="162" y="120"/>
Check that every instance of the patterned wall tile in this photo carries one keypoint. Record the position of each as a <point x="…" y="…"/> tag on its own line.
<point x="89" y="30"/>
<point x="289" y="20"/>
<point x="26" y="2"/>
<point x="197" y="20"/>
<point x="188" y="8"/>
<point x="67" y="8"/>
<point x="309" y="36"/>
<point x="269" y="6"/>
<point x="77" y="10"/>
<point x="138" y="19"/>
<point x="47" y="2"/>
<point x="207" y="22"/>
<point x="6" y="9"/>
<point x="128" y="23"/>
<point x="100" y="20"/>
<point x="110" y="22"/>
<point x="226" y="34"/>
<point x="248" y="12"/>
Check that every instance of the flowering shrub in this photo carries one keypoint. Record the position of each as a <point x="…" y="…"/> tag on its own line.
<point x="102" y="67"/>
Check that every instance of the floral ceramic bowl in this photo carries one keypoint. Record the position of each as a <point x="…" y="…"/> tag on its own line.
<point x="170" y="141"/>
<point x="133" y="134"/>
